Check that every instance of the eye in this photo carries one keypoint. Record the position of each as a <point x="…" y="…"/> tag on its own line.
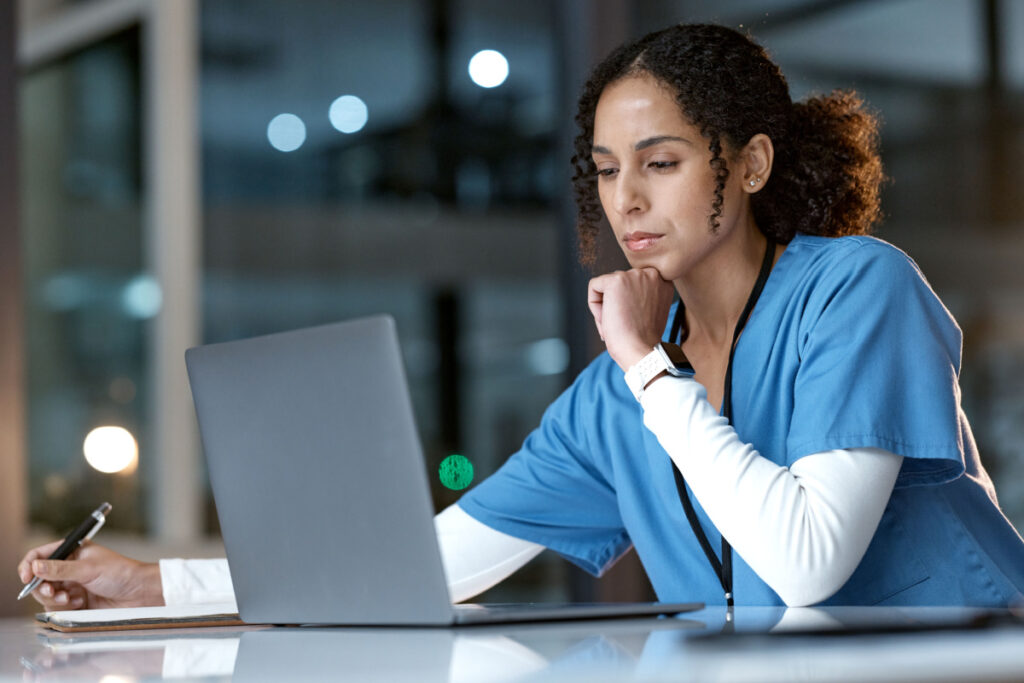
<point x="607" y="172"/>
<point x="662" y="165"/>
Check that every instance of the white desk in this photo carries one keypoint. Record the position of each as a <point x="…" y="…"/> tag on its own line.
<point x="645" y="650"/>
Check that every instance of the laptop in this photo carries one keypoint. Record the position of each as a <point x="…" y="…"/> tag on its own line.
<point x="320" y="484"/>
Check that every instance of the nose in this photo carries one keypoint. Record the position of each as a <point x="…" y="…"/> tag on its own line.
<point x="629" y="196"/>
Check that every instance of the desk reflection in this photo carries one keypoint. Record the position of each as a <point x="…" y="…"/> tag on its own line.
<point x="493" y="654"/>
<point x="681" y="648"/>
<point x="129" y="656"/>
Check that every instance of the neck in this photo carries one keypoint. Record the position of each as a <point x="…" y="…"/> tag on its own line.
<point x="716" y="291"/>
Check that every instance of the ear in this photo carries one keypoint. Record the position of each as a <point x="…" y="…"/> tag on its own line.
<point x="756" y="159"/>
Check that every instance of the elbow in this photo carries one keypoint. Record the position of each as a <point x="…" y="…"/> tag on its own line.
<point x="812" y="576"/>
<point x="804" y="595"/>
<point x="804" y="589"/>
<point x="817" y="564"/>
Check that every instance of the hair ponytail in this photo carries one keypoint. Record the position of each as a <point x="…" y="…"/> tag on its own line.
<point x="827" y="172"/>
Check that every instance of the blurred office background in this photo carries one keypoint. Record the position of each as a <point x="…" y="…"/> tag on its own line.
<point x="192" y="171"/>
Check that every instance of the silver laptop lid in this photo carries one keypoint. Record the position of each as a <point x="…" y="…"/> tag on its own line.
<point x="318" y="477"/>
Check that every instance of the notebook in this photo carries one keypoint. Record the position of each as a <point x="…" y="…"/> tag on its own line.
<point x="321" y="488"/>
<point x="135" y="618"/>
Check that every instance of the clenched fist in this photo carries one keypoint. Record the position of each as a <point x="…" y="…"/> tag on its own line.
<point x="630" y="308"/>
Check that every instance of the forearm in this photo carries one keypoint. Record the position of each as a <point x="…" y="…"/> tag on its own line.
<point x="475" y="558"/>
<point x="803" y="529"/>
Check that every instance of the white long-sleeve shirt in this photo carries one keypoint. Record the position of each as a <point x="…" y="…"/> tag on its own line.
<point x="803" y="529"/>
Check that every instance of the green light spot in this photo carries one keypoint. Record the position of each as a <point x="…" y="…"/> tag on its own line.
<point x="456" y="472"/>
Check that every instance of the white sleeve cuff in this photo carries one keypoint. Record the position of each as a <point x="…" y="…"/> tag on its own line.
<point x="189" y="582"/>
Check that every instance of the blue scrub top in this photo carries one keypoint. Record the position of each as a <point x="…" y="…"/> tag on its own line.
<point x="848" y="347"/>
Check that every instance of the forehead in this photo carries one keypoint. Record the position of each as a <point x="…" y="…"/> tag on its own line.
<point x="636" y="108"/>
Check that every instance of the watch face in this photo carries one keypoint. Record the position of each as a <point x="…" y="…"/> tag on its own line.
<point x="676" y="357"/>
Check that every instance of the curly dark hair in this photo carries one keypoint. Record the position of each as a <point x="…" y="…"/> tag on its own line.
<point x="826" y="174"/>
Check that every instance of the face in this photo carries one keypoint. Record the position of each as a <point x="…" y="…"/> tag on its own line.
<point x="655" y="180"/>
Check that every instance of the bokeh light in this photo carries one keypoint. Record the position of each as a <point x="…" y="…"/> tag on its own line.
<point x="122" y="390"/>
<point x="348" y="114"/>
<point x="488" y="68"/>
<point x="56" y="486"/>
<point x="456" y="472"/>
<point x="111" y="449"/>
<point x="547" y="356"/>
<point x="142" y="297"/>
<point x="286" y="132"/>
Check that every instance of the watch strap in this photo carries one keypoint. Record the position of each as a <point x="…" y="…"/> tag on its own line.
<point x="650" y="366"/>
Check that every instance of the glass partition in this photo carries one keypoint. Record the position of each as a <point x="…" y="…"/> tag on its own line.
<point x="88" y="298"/>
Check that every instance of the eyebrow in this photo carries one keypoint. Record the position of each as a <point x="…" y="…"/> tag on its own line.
<point x="643" y="144"/>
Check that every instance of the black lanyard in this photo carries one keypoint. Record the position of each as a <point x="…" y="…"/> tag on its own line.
<point x="723" y="568"/>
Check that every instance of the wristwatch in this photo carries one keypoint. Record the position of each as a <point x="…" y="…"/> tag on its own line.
<point x="664" y="358"/>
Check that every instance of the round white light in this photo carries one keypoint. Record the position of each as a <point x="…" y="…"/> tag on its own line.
<point x="548" y="356"/>
<point x="111" y="449"/>
<point x="348" y="114"/>
<point x="488" y="68"/>
<point x="142" y="297"/>
<point x="286" y="132"/>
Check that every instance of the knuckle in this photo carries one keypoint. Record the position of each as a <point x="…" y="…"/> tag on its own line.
<point x="52" y="570"/>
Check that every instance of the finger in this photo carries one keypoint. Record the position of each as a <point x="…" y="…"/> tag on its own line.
<point x="57" y="596"/>
<point x="651" y="272"/>
<point x="76" y="596"/>
<point x="25" y="566"/>
<point x="64" y="570"/>
<point x="600" y="284"/>
<point x="596" y="310"/>
<point x="71" y="596"/>
<point x="48" y="603"/>
<point x="595" y="302"/>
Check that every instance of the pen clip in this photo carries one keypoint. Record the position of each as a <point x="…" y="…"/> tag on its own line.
<point x="100" y="521"/>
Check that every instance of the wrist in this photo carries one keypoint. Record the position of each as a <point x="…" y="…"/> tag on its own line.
<point x="633" y="355"/>
<point x="664" y="359"/>
<point x="151" y="583"/>
<point x="663" y="373"/>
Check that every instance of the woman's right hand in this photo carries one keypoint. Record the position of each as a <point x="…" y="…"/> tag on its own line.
<point x="93" y="577"/>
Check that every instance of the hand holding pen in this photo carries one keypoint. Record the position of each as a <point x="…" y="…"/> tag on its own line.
<point x="97" y="577"/>
<point x="82" y="533"/>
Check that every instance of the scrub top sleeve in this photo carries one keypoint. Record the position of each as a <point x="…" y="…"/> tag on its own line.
<point x="879" y="365"/>
<point x="557" y="489"/>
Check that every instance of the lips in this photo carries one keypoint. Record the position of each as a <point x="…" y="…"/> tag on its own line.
<point x="640" y="241"/>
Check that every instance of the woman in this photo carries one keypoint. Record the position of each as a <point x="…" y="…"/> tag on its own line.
<point x="790" y="432"/>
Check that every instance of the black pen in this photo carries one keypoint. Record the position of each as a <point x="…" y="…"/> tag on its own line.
<point x="82" y="533"/>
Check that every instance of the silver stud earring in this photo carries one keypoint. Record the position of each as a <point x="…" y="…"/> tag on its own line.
<point x="752" y="183"/>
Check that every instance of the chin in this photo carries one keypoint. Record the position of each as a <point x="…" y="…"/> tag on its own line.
<point x="659" y="263"/>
